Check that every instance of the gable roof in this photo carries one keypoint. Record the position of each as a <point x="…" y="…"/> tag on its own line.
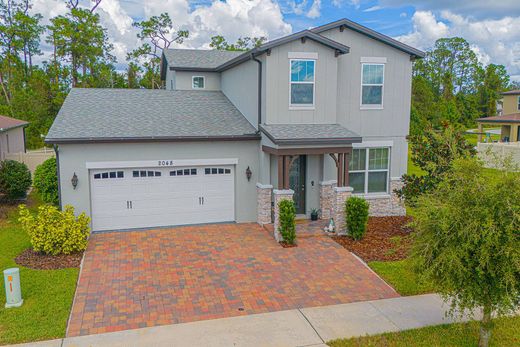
<point x="108" y="115"/>
<point x="198" y="58"/>
<point x="372" y="34"/>
<point x="214" y="60"/>
<point x="8" y="123"/>
<point x="307" y="34"/>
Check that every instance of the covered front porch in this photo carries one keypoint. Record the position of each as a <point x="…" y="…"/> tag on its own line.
<point x="308" y="164"/>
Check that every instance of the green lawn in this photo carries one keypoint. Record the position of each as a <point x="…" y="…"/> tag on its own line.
<point x="399" y="274"/>
<point x="47" y="294"/>
<point x="505" y="333"/>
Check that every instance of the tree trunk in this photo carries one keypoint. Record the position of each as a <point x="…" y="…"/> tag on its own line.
<point x="485" y="328"/>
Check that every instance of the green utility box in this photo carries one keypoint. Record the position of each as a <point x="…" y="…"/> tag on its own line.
<point x="13" y="293"/>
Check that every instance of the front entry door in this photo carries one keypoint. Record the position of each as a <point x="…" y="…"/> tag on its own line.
<point x="297" y="182"/>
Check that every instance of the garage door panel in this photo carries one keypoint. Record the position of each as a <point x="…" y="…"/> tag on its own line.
<point x="162" y="199"/>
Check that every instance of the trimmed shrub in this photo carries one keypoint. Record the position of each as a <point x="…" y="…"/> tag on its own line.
<point x="15" y="180"/>
<point x="46" y="181"/>
<point x="287" y="221"/>
<point x="56" y="232"/>
<point x="356" y="217"/>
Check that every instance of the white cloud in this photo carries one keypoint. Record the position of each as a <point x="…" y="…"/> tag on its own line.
<point x="231" y="18"/>
<point x="493" y="40"/>
<point x="426" y="29"/>
<point x="315" y="10"/>
<point x="373" y="8"/>
<point x="298" y="8"/>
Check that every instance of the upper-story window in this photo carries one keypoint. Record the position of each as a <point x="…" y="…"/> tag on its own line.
<point x="198" y="82"/>
<point x="518" y="103"/>
<point x="302" y="82"/>
<point x="372" y="81"/>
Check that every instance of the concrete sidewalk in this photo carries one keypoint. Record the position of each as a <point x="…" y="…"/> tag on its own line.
<point x="302" y="327"/>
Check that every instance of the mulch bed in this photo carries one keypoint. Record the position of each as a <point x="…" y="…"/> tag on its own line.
<point x="386" y="239"/>
<point x="40" y="261"/>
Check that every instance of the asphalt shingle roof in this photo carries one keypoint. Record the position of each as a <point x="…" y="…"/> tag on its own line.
<point x="97" y="114"/>
<point x="310" y="133"/>
<point x="7" y="123"/>
<point x="198" y="58"/>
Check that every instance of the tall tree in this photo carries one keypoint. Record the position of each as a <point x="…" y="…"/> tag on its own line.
<point x="467" y="240"/>
<point x="80" y="40"/>
<point x="450" y="84"/>
<point x="495" y="80"/>
<point x="158" y="34"/>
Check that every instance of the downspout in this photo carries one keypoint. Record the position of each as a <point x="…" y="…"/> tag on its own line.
<point x="259" y="89"/>
<point x="56" y="150"/>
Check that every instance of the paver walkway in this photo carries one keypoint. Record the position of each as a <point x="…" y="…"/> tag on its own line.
<point x="164" y="276"/>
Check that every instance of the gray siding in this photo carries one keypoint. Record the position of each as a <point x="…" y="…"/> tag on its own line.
<point x="183" y="80"/>
<point x="73" y="159"/>
<point x="393" y="121"/>
<point x="394" y="118"/>
<point x="277" y="85"/>
<point x="240" y="85"/>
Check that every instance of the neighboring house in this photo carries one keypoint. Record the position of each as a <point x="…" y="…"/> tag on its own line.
<point x="508" y="121"/>
<point x="511" y="102"/>
<point x="12" y="136"/>
<point x="301" y="114"/>
<point x="508" y="118"/>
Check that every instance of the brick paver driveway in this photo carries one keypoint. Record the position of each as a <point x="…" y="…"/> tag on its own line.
<point x="165" y="276"/>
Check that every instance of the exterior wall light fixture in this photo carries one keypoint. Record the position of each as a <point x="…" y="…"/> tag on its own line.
<point x="249" y="173"/>
<point x="74" y="181"/>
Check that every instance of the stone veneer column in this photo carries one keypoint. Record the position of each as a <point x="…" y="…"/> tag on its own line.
<point x="340" y="195"/>
<point x="326" y="196"/>
<point x="398" y="207"/>
<point x="280" y="195"/>
<point x="263" y="203"/>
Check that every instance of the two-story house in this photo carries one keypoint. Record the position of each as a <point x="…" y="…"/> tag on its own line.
<point x="315" y="115"/>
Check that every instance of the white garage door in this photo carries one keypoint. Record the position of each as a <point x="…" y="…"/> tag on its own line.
<point x="151" y="197"/>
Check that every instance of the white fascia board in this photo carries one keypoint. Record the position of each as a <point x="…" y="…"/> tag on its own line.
<point x="159" y="163"/>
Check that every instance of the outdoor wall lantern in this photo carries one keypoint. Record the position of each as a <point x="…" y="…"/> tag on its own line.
<point x="248" y="174"/>
<point x="74" y="181"/>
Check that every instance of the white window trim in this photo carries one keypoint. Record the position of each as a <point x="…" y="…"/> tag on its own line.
<point x="193" y="82"/>
<point x="366" y="171"/>
<point x="369" y="106"/>
<point x="303" y="106"/>
<point x="518" y="103"/>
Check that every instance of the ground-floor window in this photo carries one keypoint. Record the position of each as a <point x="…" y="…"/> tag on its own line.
<point x="369" y="169"/>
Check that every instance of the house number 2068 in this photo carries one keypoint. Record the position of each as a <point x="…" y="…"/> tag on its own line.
<point x="165" y="162"/>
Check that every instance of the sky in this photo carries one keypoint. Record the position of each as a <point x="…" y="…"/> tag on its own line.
<point x="491" y="27"/>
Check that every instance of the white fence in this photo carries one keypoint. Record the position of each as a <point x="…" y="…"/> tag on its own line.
<point x="32" y="158"/>
<point x="490" y="151"/>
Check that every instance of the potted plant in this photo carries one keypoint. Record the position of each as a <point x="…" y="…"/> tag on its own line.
<point x="315" y="214"/>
